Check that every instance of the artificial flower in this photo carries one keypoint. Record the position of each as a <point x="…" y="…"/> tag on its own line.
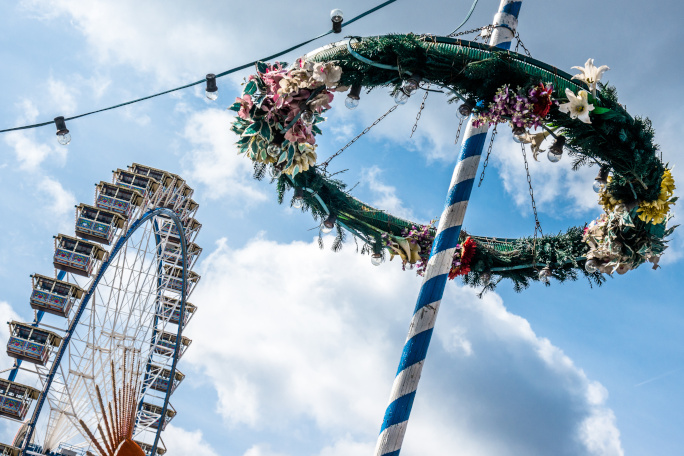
<point x="535" y="141"/>
<point x="590" y="74"/>
<point x="578" y="107"/>
<point x="246" y="104"/>
<point x="287" y="86"/>
<point x="655" y="212"/>
<point x="304" y="158"/>
<point x="461" y="264"/>
<point x="321" y="101"/>
<point x="540" y="96"/>
<point x="409" y="252"/>
<point x="327" y="73"/>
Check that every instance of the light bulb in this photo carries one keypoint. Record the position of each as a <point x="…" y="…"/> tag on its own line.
<point x="517" y="138"/>
<point x="212" y="90"/>
<point x="307" y="117"/>
<point x="64" y="139"/>
<point x="466" y="108"/>
<point x="409" y="86"/>
<point x="553" y="158"/>
<point x="544" y="274"/>
<point x="591" y="266"/>
<point x="298" y="200"/>
<point x="376" y="259"/>
<point x="336" y="16"/>
<point x="351" y="102"/>
<point x="598" y="186"/>
<point x="329" y="223"/>
<point x="400" y="97"/>
<point x="275" y="172"/>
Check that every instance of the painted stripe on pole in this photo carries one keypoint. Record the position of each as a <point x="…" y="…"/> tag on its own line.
<point x="431" y="291"/>
<point x="512" y="8"/>
<point x="415" y="350"/>
<point x="406" y="381"/>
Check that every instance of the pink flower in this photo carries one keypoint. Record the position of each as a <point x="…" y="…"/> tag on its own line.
<point x="246" y="104"/>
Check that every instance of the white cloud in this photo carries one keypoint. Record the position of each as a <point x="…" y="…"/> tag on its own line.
<point x="261" y="450"/>
<point x="29" y="152"/>
<point x="213" y="160"/>
<point x="553" y="183"/>
<point x="386" y="195"/>
<point x="59" y="201"/>
<point x="180" y="442"/>
<point x="63" y="96"/>
<point x="314" y="337"/>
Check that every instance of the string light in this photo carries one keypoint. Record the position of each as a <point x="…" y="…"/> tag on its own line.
<point x="298" y="200"/>
<point x="352" y="100"/>
<point x="337" y="16"/>
<point x="329" y="223"/>
<point x="63" y="136"/>
<point x="601" y="180"/>
<point x="408" y="88"/>
<point x="212" y="89"/>
<point x="556" y="150"/>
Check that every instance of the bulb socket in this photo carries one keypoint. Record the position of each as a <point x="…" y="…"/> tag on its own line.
<point x="330" y="221"/>
<point x="557" y="147"/>
<point x="211" y="83"/>
<point x="336" y="16"/>
<point x="355" y="91"/>
<point x="299" y="192"/>
<point x="61" y="125"/>
<point x="603" y="174"/>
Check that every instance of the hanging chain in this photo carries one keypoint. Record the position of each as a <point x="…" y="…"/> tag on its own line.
<point x="537" y="225"/>
<point x="520" y="44"/>
<point x="324" y="165"/>
<point x="489" y="151"/>
<point x="458" y="132"/>
<point x="468" y="32"/>
<point x="420" y="111"/>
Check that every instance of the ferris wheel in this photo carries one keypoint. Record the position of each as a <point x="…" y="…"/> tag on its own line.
<point x="95" y="370"/>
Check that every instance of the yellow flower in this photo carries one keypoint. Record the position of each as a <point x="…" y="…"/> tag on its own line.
<point x="655" y="212"/>
<point x="608" y="201"/>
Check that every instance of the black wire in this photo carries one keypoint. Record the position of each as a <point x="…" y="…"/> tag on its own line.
<point x="232" y="70"/>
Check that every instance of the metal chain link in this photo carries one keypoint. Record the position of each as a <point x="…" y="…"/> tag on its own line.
<point x="468" y="32"/>
<point x="489" y="151"/>
<point x="420" y="111"/>
<point x="537" y="225"/>
<point x="458" y="132"/>
<point x="520" y="44"/>
<point x="324" y="165"/>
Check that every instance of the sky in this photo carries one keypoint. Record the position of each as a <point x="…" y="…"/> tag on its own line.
<point x="295" y="348"/>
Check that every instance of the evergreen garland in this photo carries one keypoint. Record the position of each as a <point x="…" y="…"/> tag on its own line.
<point x="614" y="139"/>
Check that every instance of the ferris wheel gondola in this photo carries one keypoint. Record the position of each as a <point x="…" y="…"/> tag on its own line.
<point x="95" y="370"/>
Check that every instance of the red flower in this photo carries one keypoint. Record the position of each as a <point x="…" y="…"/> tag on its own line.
<point x="540" y="96"/>
<point x="462" y="267"/>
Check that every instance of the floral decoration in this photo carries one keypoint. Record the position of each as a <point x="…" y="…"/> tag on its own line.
<point x="578" y="107"/>
<point x="591" y="75"/>
<point x="279" y="111"/>
<point x="463" y="258"/>
<point x="522" y="109"/>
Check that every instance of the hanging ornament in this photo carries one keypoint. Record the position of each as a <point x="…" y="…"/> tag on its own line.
<point x="352" y="100"/>
<point x="601" y="180"/>
<point x="544" y="274"/>
<point x="376" y="259"/>
<point x="328" y="224"/>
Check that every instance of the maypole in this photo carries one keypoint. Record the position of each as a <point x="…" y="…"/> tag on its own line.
<point x="435" y="277"/>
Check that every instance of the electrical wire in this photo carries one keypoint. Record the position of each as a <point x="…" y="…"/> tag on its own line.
<point x="225" y="73"/>
<point x="470" y="13"/>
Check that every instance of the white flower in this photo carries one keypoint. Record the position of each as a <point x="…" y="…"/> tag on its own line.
<point x="590" y="74"/>
<point x="578" y="107"/>
<point x="327" y="73"/>
<point x="535" y="140"/>
<point x="304" y="158"/>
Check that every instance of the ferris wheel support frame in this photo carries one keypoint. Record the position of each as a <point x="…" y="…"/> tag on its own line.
<point x="84" y="302"/>
<point x="429" y="298"/>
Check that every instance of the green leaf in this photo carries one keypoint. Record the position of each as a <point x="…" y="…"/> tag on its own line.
<point x="253" y="129"/>
<point x="598" y="111"/>
<point x="254" y="146"/>
<point x="282" y="157"/>
<point x="261" y="67"/>
<point x="290" y="155"/>
<point x="264" y="155"/>
<point x="296" y="171"/>
<point x="235" y="106"/>
<point x="265" y="131"/>
<point x="250" y="88"/>
<point x="316" y="130"/>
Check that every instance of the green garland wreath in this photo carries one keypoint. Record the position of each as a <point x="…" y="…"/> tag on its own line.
<point x="281" y="108"/>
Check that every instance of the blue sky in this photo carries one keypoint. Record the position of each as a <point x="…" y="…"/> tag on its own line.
<point x="295" y="348"/>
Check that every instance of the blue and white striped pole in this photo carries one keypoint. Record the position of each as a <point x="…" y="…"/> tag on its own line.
<point x="448" y="231"/>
